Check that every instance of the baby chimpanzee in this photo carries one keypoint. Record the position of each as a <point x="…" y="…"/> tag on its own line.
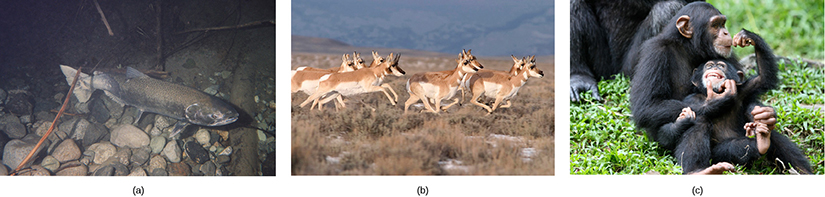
<point x="717" y="123"/>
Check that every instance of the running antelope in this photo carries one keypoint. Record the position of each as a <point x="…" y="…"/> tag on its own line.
<point x="500" y="85"/>
<point x="305" y="79"/>
<point x="518" y="64"/>
<point x="359" y="63"/>
<point x="376" y="59"/>
<point x="436" y="86"/>
<point x="335" y="85"/>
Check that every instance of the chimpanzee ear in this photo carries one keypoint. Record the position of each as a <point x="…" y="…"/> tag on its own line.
<point x="683" y="24"/>
<point x="694" y="80"/>
<point x="741" y="77"/>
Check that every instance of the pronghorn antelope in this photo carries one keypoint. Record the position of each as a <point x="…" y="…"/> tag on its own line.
<point x="436" y="86"/>
<point x="376" y="59"/>
<point x="335" y="85"/>
<point x="359" y="63"/>
<point x="500" y="85"/>
<point x="518" y="64"/>
<point x="305" y="79"/>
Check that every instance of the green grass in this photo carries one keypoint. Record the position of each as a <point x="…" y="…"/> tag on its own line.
<point x="790" y="27"/>
<point x="604" y="140"/>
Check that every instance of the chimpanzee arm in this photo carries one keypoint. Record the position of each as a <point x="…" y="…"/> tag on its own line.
<point x="766" y="64"/>
<point x="670" y="131"/>
<point x="589" y="51"/>
<point x="709" y="109"/>
<point x="653" y="97"/>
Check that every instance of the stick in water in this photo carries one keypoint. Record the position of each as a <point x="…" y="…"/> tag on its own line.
<point x="51" y="128"/>
<point x="103" y="17"/>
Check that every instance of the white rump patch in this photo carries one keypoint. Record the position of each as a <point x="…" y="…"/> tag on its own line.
<point x="324" y="78"/>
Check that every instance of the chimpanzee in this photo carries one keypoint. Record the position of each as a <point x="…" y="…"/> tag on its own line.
<point x="720" y="130"/>
<point x="601" y="33"/>
<point x="661" y="78"/>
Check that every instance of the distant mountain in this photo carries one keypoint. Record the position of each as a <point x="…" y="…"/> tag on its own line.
<point x="303" y="44"/>
<point x="490" y="30"/>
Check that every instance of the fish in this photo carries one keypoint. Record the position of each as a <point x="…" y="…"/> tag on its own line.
<point x="148" y="94"/>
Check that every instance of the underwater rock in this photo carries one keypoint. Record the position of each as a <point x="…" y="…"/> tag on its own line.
<point x="16" y="150"/>
<point x="190" y="63"/>
<point x="20" y="102"/>
<point x="105" y="171"/>
<point x="102" y="151"/>
<point x="157" y="143"/>
<point x="92" y="132"/>
<point x="4" y="139"/>
<point x="74" y="168"/>
<point x="140" y="155"/>
<point x="157" y="162"/>
<point x="50" y="163"/>
<point x="122" y="156"/>
<point x="98" y="112"/>
<point x="159" y="172"/>
<point x="120" y="169"/>
<point x="3" y="96"/>
<point x="212" y="90"/>
<point x="196" y="152"/>
<point x="268" y="166"/>
<point x="35" y="170"/>
<point x="137" y="172"/>
<point x="126" y="135"/>
<point x="179" y="169"/>
<point x="202" y="136"/>
<point x="222" y="159"/>
<point x="172" y="151"/>
<point x="208" y="169"/>
<point x="10" y="124"/>
<point x="66" y="151"/>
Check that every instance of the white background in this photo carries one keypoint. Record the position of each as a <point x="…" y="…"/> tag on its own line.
<point x="284" y="184"/>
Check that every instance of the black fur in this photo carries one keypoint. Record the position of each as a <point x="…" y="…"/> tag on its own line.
<point x="662" y="76"/>
<point x="722" y="123"/>
<point x="603" y="31"/>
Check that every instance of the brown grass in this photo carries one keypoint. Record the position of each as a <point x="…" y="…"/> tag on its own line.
<point x="358" y="141"/>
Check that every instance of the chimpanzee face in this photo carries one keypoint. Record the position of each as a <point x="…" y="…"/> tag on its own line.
<point x="715" y="73"/>
<point x="721" y="41"/>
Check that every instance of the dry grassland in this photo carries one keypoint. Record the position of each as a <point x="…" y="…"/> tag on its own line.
<point x="358" y="141"/>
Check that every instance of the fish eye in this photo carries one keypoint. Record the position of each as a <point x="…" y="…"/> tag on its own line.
<point x="213" y="116"/>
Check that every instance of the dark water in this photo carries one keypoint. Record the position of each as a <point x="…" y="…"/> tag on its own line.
<point x="36" y="37"/>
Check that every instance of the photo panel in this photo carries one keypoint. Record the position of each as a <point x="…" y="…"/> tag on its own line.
<point x="378" y="91"/>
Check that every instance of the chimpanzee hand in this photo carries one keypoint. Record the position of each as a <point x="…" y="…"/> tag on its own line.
<point x="741" y="39"/>
<point x="729" y="86"/>
<point x="764" y="115"/>
<point x="763" y="135"/>
<point x="686" y="113"/>
<point x="581" y="84"/>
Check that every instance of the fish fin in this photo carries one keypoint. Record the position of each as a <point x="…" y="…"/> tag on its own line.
<point x="134" y="73"/>
<point x="179" y="127"/>
<point x="83" y="90"/>
<point x="140" y="113"/>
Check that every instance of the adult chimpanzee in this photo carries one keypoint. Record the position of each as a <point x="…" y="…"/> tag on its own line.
<point x="661" y="81"/>
<point x="601" y="33"/>
<point x="720" y="128"/>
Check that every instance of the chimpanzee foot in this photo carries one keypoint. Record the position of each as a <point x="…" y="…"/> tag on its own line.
<point x="717" y="168"/>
